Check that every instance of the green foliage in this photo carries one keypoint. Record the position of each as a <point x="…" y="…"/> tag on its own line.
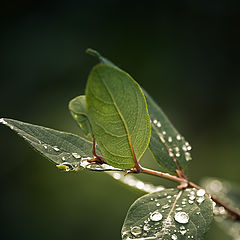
<point x="77" y="108"/>
<point x="116" y="112"/>
<point x="166" y="145"/>
<point x="70" y="152"/>
<point x="169" y="214"/>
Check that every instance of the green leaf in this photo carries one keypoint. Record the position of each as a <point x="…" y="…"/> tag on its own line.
<point x="69" y="151"/>
<point x="118" y="115"/>
<point x="166" y="144"/>
<point x="77" y="107"/>
<point x="230" y="194"/>
<point x="169" y="214"/>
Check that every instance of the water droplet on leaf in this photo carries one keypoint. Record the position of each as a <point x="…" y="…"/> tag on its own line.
<point x="156" y="216"/>
<point x="181" y="217"/>
<point x="136" y="231"/>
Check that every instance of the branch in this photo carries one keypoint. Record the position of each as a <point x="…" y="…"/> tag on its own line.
<point x="184" y="183"/>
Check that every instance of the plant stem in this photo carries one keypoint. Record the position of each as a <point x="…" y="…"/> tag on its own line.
<point x="183" y="182"/>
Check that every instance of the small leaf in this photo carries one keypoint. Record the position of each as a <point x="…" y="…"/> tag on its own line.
<point x="77" y="107"/>
<point x="169" y="214"/>
<point x="118" y="115"/>
<point x="70" y="152"/>
<point x="166" y="144"/>
<point x="230" y="194"/>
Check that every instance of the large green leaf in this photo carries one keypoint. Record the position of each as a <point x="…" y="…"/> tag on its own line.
<point x="118" y="115"/>
<point x="230" y="194"/>
<point x="77" y="107"/>
<point x="69" y="151"/>
<point x="166" y="144"/>
<point x="169" y="214"/>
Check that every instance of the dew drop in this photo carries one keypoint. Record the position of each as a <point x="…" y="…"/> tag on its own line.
<point x="200" y="200"/>
<point x="177" y="154"/>
<point x="56" y="149"/>
<point x="188" y="156"/>
<point x="169" y="139"/>
<point x="146" y="227"/>
<point x="178" y="137"/>
<point x="165" y="206"/>
<point x="192" y="197"/>
<point x="76" y="155"/>
<point x="201" y="192"/>
<point x="174" y="237"/>
<point x="63" y="158"/>
<point x="45" y="146"/>
<point x="177" y="149"/>
<point x="164" y="133"/>
<point x="184" y="148"/>
<point x="155" y="121"/>
<point x="182" y="230"/>
<point x="158" y="204"/>
<point x="181" y="217"/>
<point x="136" y="231"/>
<point x="178" y="209"/>
<point x="159" y="124"/>
<point x="156" y="216"/>
<point x="189" y="148"/>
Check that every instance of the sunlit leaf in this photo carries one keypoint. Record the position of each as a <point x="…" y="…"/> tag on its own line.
<point x="118" y="115"/>
<point x="166" y="144"/>
<point x="70" y="152"/>
<point x="169" y="214"/>
<point x="230" y="194"/>
<point x="77" y="107"/>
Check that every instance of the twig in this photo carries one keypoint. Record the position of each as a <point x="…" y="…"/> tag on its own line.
<point x="184" y="183"/>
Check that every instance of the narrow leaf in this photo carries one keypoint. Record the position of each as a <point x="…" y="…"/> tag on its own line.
<point x="69" y="151"/>
<point x="169" y="214"/>
<point x="118" y="115"/>
<point x="77" y="107"/>
<point x="230" y="194"/>
<point x="166" y="144"/>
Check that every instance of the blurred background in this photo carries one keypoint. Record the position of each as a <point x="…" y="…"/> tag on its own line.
<point x="184" y="53"/>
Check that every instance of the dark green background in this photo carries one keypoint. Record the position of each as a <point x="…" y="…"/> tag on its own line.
<point x="184" y="53"/>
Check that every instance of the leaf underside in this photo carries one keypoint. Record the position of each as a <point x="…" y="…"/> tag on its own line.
<point x="77" y="108"/>
<point x="230" y="194"/>
<point x="166" y="144"/>
<point x="69" y="151"/>
<point x="118" y="115"/>
<point x="169" y="214"/>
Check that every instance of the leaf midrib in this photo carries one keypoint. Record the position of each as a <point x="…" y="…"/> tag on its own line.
<point x="119" y="112"/>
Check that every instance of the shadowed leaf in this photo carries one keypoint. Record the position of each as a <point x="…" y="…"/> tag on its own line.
<point x="166" y="144"/>
<point x="70" y="152"/>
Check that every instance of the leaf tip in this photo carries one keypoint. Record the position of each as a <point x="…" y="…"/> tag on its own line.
<point x="3" y="121"/>
<point x="93" y="52"/>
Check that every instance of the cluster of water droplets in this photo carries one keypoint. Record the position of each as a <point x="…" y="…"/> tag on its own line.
<point x="172" y="141"/>
<point x="170" y="219"/>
